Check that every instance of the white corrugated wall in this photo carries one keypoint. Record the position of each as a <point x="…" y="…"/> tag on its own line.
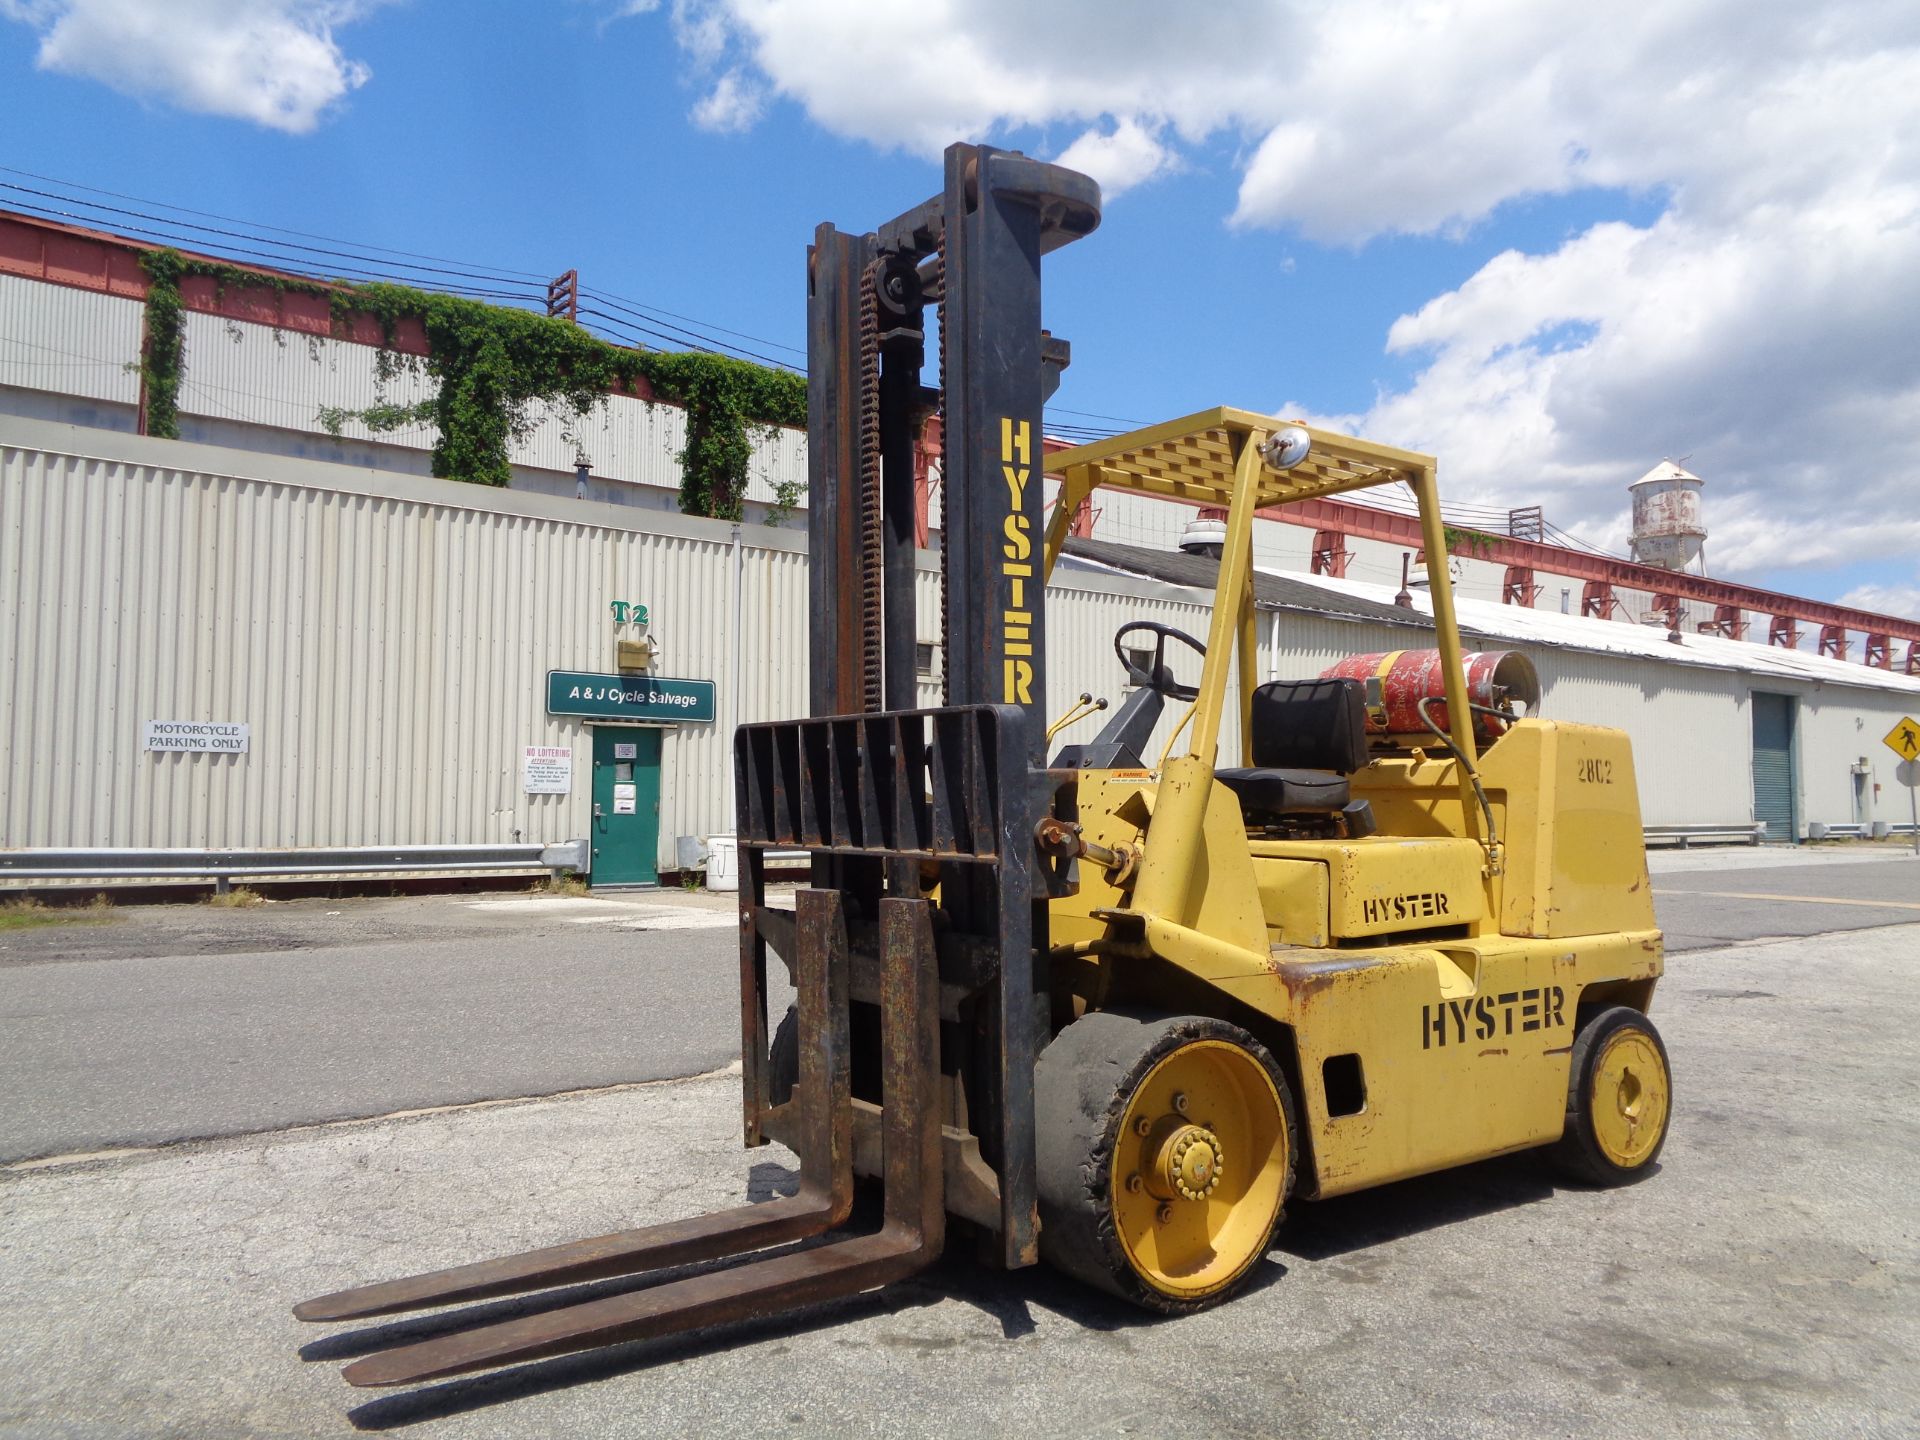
<point x="73" y="342"/>
<point x="386" y="637"/>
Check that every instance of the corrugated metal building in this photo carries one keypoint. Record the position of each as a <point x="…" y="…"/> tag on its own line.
<point x="261" y="365"/>
<point x="1725" y="733"/>
<point x="386" y="640"/>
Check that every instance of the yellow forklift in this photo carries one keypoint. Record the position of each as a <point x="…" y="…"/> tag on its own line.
<point x="1113" y="1007"/>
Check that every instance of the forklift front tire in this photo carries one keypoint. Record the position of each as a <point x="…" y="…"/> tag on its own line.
<point x="1165" y="1151"/>
<point x="1619" y="1100"/>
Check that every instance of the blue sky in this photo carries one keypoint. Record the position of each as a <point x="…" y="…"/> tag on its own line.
<point x="1551" y="248"/>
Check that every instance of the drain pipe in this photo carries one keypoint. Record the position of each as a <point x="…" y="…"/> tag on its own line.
<point x="733" y="709"/>
<point x="1273" y="645"/>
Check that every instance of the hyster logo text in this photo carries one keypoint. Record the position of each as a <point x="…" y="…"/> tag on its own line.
<point x="1451" y="1021"/>
<point x="1425" y="904"/>
<point x="1016" y="464"/>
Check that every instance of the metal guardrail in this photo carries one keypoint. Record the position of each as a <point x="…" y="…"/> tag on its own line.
<point x="223" y="866"/>
<point x="1685" y="835"/>
<point x="1872" y="829"/>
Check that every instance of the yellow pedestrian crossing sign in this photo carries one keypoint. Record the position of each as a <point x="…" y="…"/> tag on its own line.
<point x="1904" y="739"/>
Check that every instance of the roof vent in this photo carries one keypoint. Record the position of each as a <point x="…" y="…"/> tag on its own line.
<point x="1206" y="533"/>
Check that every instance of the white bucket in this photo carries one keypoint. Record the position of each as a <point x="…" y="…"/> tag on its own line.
<point x="723" y="863"/>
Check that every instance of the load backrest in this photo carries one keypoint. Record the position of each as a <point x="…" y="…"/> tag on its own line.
<point x="1310" y="725"/>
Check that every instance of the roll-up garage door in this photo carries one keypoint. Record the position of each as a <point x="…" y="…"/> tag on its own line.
<point x="1773" y="764"/>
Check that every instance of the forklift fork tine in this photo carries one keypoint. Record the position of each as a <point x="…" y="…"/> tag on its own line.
<point x="909" y="1239"/>
<point x="824" y="1199"/>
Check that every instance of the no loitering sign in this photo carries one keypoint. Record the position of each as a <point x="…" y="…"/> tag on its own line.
<point x="199" y="736"/>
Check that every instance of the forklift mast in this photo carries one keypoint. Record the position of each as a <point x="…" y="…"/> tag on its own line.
<point x="887" y="796"/>
<point x="971" y="255"/>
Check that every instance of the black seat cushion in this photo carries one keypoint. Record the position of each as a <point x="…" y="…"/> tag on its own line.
<point x="1310" y="725"/>
<point x="1283" y="792"/>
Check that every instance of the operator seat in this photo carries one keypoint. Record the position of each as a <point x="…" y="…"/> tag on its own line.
<point x="1308" y="737"/>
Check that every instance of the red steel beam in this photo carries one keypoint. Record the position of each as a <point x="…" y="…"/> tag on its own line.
<point x="1519" y="588"/>
<point x="1330" y="553"/>
<point x="86" y="259"/>
<point x="1368" y="523"/>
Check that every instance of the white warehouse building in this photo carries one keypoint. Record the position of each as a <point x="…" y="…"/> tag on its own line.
<point x="380" y="651"/>
<point x="261" y="635"/>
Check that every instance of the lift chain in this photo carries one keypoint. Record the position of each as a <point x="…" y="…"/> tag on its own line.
<point x="940" y="312"/>
<point x="871" y="621"/>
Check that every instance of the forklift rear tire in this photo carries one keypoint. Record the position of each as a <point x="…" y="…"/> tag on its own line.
<point x="1619" y="1099"/>
<point x="1165" y="1149"/>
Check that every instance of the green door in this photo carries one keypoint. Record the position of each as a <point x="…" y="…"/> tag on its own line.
<point x="1773" y="778"/>
<point x="626" y="805"/>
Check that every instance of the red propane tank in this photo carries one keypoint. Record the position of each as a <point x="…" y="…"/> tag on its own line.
<point x="1499" y="679"/>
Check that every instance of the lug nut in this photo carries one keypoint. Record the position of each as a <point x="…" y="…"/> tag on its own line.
<point x="1142" y="1125"/>
<point x="1135" y="1184"/>
<point x="1179" y="1102"/>
<point x="1164" y="1214"/>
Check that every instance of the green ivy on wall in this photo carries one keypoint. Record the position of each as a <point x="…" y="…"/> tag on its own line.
<point x="498" y="370"/>
<point x="1475" y="542"/>
<point x="162" y="358"/>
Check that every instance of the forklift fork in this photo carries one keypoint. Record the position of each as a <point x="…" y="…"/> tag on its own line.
<point x="909" y="1239"/>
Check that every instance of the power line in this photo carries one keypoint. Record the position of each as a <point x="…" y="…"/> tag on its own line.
<point x="641" y="309"/>
<point x="366" y="267"/>
<point x="240" y="235"/>
<point x="1091" y="415"/>
<point x="232" y="220"/>
<point x="649" y="325"/>
<point x="282" y="262"/>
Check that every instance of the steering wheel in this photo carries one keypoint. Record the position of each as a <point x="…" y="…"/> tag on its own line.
<point x="1161" y="678"/>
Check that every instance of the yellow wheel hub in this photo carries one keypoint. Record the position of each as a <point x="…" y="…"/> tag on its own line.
<point x="1199" y="1169"/>
<point x="1631" y="1095"/>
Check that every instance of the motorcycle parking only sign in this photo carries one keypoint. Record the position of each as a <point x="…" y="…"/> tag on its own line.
<point x="217" y="737"/>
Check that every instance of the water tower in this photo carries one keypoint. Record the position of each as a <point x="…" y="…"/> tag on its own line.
<point x="1667" y="529"/>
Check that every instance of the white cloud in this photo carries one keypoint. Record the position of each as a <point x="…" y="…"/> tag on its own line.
<point x="732" y="105"/>
<point x="273" y="62"/>
<point x="1763" y="323"/>
<point x="1901" y="600"/>
<point x="1119" y="159"/>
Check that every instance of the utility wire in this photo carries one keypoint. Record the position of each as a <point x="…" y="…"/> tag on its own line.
<point x="647" y="312"/>
<point x="1090" y="415"/>
<point x="252" y="224"/>
<point x="452" y="276"/>
<point x="305" y="269"/>
<point x="652" y="326"/>
<point x="463" y="274"/>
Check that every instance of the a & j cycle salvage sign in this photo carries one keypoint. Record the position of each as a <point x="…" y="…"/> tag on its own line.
<point x="629" y="697"/>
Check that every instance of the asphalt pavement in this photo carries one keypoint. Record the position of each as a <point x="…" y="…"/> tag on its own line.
<point x="183" y="1022"/>
<point x="1723" y="897"/>
<point x="189" y="1022"/>
<point x="1764" y="1281"/>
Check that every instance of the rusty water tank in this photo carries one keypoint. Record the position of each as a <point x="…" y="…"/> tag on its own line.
<point x="1668" y="530"/>
<point x="1499" y="679"/>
